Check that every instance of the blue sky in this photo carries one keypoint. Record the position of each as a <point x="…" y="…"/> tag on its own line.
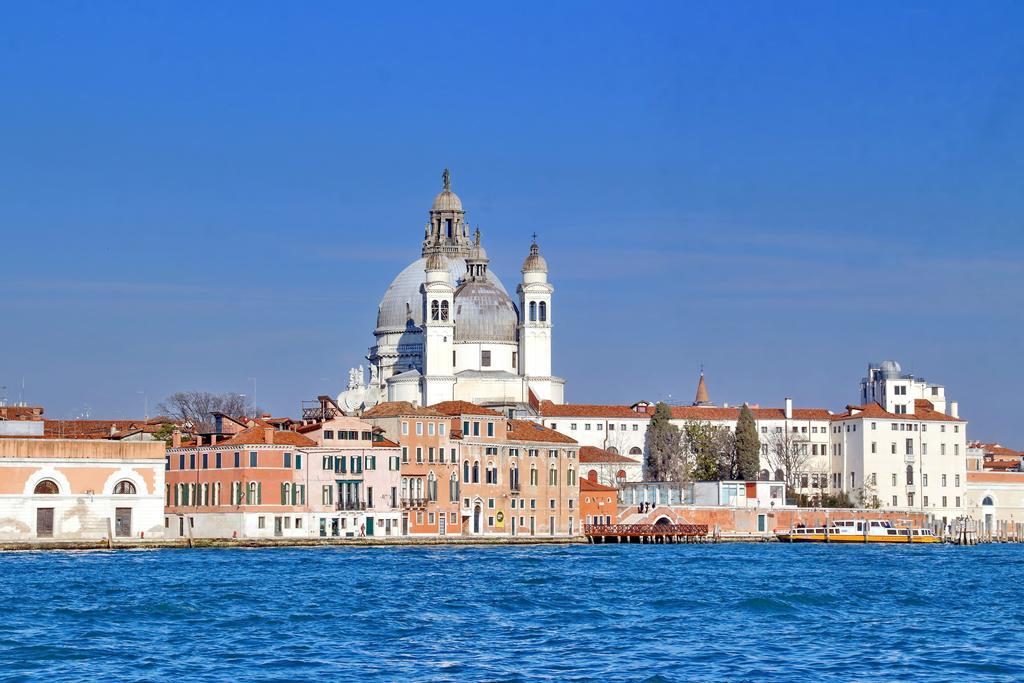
<point x="196" y="194"/>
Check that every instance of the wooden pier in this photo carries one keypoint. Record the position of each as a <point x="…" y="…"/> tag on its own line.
<point x="970" y="531"/>
<point x="646" y="533"/>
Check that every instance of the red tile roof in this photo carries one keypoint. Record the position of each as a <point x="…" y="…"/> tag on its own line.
<point x="923" y="410"/>
<point x="995" y="477"/>
<point x="463" y="408"/>
<point x="996" y="450"/>
<point x="257" y="434"/>
<point x="90" y="429"/>
<point x="549" y="409"/>
<point x="587" y="485"/>
<point x="21" y="412"/>
<point x="399" y="408"/>
<point x="385" y="443"/>
<point x="524" y="430"/>
<point x="592" y="454"/>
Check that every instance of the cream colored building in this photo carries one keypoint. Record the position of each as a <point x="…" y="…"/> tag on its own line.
<point x="80" y="489"/>
<point x="995" y="497"/>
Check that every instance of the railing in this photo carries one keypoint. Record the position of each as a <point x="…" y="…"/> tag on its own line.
<point x="414" y="503"/>
<point x="645" y="529"/>
<point x="352" y="505"/>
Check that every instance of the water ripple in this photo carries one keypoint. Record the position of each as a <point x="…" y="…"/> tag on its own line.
<point x="573" y="613"/>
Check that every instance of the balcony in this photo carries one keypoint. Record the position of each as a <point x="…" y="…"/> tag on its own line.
<point x="351" y="505"/>
<point x="909" y="459"/>
<point x="911" y="488"/>
<point x="413" y="503"/>
<point x="515" y="489"/>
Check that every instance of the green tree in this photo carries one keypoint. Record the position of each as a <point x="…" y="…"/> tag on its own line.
<point x="748" y="446"/>
<point x="665" y="458"/>
<point x="709" y="448"/>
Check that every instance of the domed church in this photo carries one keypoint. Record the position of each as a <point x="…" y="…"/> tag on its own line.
<point x="448" y="330"/>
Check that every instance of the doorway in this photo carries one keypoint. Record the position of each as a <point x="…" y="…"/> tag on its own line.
<point x="442" y="523"/>
<point x="513" y="525"/>
<point x="477" y="513"/>
<point x="123" y="522"/>
<point x="369" y="526"/>
<point x="278" y="528"/>
<point x="44" y="522"/>
<point x="405" y="524"/>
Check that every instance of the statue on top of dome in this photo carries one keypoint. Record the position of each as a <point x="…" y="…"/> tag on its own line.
<point x="446" y="178"/>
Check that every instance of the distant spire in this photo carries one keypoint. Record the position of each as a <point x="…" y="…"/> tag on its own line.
<point x="702" y="398"/>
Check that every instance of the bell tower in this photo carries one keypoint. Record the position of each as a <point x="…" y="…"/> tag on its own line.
<point x="535" y="316"/>
<point x="438" y="327"/>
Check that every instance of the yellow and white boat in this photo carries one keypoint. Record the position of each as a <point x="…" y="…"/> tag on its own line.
<point x="858" y="531"/>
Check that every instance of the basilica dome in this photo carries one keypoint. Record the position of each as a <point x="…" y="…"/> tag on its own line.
<point x="484" y="313"/>
<point x="403" y="301"/>
<point x="447" y="200"/>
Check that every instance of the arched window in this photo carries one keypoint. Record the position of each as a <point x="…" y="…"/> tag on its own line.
<point x="465" y="471"/>
<point x="444" y="310"/>
<point x="621" y="475"/>
<point x="419" y="488"/>
<point x="613" y="449"/>
<point x="431" y="487"/>
<point x="533" y="475"/>
<point x="254" y="494"/>
<point x="286" y="493"/>
<point x="778" y="475"/>
<point x="476" y="473"/>
<point x="553" y="475"/>
<point x="453" y="488"/>
<point x="570" y="477"/>
<point x="405" y="488"/>
<point x="543" y="311"/>
<point x="216" y="493"/>
<point x="533" y="310"/>
<point x="124" y="488"/>
<point x="513" y="477"/>
<point x="592" y="476"/>
<point x="205" y="494"/>
<point x="910" y="474"/>
<point x="434" y="310"/>
<point x="47" y="487"/>
<point x="988" y="501"/>
<point x="635" y="450"/>
<point x="764" y="475"/>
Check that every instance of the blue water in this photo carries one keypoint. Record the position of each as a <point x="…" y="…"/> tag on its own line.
<point x="714" y="612"/>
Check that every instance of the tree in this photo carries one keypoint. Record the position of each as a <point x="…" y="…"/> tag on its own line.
<point x="748" y="446"/>
<point x="666" y="460"/>
<point x="788" y="453"/>
<point x="196" y="406"/>
<point x="710" y="449"/>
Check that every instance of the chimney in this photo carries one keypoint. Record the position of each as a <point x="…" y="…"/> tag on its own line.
<point x="268" y="435"/>
<point x="789" y="409"/>
<point x="954" y="409"/>
<point x="175" y="438"/>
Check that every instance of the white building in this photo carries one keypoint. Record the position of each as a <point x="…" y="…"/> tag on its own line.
<point x="887" y="385"/>
<point x="80" y="489"/>
<point x="616" y="429"/>
<point x="609" y="469"/>
<point x="448" y="330"/>
<point x="913" y="460"/>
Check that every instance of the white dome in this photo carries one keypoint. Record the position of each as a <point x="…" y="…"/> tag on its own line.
<point x="403" y="301"/>
<point x="891" y="369"/>
<point x="447" y="200"/>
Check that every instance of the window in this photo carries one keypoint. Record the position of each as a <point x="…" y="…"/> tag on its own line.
<point x="430" y="454"/>
<point x="894" y="481"/>
<point x="943" y="483"/>
<point x="419" y="429"/>
<point x="925" y="499"/>
<point x="924" y="480"/>
<point x="287" y="460"/>
<point x="238" y="459"/>
<point x="192" y="461"/>
<point x="910" y="475"/>
<point x="476" y="429"/>
<point x="405" y="429"/>
<point x="444" y="310"/>
<point x="253" y="459"/>
<point x="430" y="429"/>
<point x="435" y="310"/>
<point x="543" y="311"/>
<point x="476" y="473"/>
<point x="490" y="429"/>
<point x="943" y="501"/>
<point x="453" y="488"/>
<point x="956" y="482"/>
<point x="419" y="454"/>
<point x="405" y="454"/>
<point x="572" y="426"/>
<point x="46" y="487"/>
<point x="533" y="311"/>
<point x="515" y="360"/>
<point x="298" y="461"/>
<point x="124" y="488"/>
<point x="485" y="358"/>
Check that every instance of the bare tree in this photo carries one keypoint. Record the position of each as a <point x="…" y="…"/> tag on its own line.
<point x="196" y="406"/>
<point x="789" y="454"/>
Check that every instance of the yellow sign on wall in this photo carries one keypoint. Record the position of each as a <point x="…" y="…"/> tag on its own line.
<point x="499" y="519"/>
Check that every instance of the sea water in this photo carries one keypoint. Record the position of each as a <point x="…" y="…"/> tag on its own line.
<point x="614" y="612"/>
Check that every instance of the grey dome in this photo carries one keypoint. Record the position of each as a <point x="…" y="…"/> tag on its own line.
<point x="403" y="301"/>
<point x="484" y="312"/>
<point x="891" y="369"/>
<point x="447" y="200"/>
<point x="535" y="262"/>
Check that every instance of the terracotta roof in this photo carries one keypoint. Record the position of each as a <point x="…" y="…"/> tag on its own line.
<point x="385" y="443"/>
<point x="996" y="450"/>
<point x="733" y="414"/>
<point x="995" y="477"/>
<point x="592" y="454"/>
<point x="21" y="412"/>
<point x="524" y="430"/>
<point x="462" y="408"/>
<point x="923" y="410"/>
<point x="549" y="409"/>
<point x="1002" y="464"/>
<point x="91" y="429"/>
<point x="257" y="434"/>
<point x="587" y="485"/>
<point x="397" y="408"/>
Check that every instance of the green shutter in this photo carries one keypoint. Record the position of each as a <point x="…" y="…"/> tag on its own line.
<point x="284" y="495"/>
<point x="259" y="493"/>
